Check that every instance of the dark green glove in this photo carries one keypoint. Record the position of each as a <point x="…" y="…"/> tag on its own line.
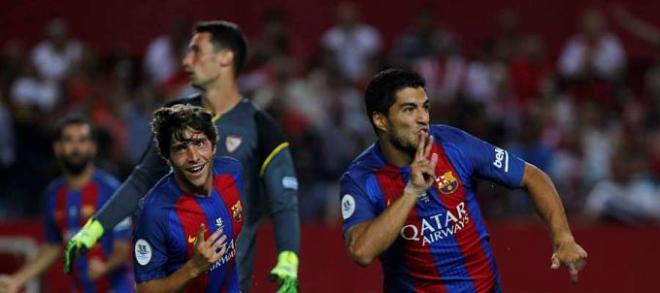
<point x="83" y="240"/>
<point x="286" y="272"/>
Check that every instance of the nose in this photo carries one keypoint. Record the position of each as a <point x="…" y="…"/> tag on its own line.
<point x="423" y="117"/>
<point x="187" y="60"/>
<point x="191" y="154"/>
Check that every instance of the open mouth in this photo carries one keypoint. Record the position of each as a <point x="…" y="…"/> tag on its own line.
<point x="196" y="170"/>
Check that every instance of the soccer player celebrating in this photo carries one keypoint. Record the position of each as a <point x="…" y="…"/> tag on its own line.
<point x="71" y="200"/>
<point x="215" y="57"/>
<point x="188" y="223"/>
<point x="409" y="199"/>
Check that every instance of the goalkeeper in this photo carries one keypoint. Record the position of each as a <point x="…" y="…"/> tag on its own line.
<point x="214" y="59"/>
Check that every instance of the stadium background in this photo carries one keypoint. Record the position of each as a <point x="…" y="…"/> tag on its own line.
<point x="111" y="84"/>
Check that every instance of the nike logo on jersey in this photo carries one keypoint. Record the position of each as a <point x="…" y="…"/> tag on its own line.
<point x="191" y="239"/>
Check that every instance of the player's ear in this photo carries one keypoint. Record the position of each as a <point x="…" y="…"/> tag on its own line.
<point x="226" y="58"/>
<point x="379" y="120"/>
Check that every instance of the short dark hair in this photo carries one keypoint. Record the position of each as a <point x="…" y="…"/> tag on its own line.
<point x="173" y="121"/>
<point x="72" y="119"/>
<point x="381" y="91"/>
<point x="226" y="35"/>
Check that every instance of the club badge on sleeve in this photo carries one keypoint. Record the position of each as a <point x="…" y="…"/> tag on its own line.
<point x="232" y="142"/>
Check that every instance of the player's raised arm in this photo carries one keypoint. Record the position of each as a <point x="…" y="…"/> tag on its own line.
<point x="566" y="252"/>
<point x="367" y="240"/>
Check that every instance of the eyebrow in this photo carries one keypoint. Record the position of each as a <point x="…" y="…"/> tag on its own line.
<point x="187" y="141"/>
<point x="426" y="102"/>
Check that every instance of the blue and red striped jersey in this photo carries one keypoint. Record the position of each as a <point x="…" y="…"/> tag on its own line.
<point x="443" y="245"/>
<point x="170" y="218"/>
<point x="67" y="210"/>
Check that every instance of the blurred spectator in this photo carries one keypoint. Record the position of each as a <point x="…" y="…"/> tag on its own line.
<point x="484" y="75"/>
<point x="57" y="54"/>
<point x="353" y="43"/>
<point x="533" y="149"/>
<point x="12" y="60"/>
<point x="486" y="83"/>
<point x="592" y="53"/>
<point x="7" y="150"/>
<point x="627" y="196"/>
<point x="274" y="44"/>
<point x="528" y="68"/>
<point x="652" y="123"/>
<point x="597" y="133"/>
<point x="507" y="41"/>
<point x="422" y="39"/>
<point x="136" y="115"/>
<point x="530" y="146"/>
<point x="432" y="52"/>
<point x="276" y="39"/>
<point x="33" y="92"/>
<point x="163" y="55"/>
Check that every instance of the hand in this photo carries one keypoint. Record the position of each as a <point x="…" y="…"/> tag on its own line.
<point x="572" y="256"/>
<point x="286" y="272"/>
<point x="422" y="170"/>
<point x="97" y="268"/>
<point x="81" y="242"/>
<point x="209" y="251"/>
<point x="8" y="284"/>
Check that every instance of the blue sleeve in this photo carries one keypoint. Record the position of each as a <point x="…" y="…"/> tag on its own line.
<point x="356" y="206"/>
<point x="51" y="232"/>
<point x="150" y="253"/>
<point x="490" y="162"/>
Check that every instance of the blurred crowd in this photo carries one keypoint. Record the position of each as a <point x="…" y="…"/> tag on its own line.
<point x="582" y="114"/>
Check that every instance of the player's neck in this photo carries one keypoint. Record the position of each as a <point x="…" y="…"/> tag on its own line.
<point x="203" y="191"/>
<point x="78" y="181"/>
<point x="394" y="155"/>
<point x="222" y="96"/>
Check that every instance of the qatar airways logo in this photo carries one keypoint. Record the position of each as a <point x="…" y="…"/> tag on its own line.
<point x="230" y="253"/>
<point x="438" y="226"/>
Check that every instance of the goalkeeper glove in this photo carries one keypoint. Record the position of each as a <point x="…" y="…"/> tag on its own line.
<point x="286" y="272"/>
<point x="82" y="241"/>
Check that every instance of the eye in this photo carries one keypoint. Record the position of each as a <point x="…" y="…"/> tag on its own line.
<point x="178" y="148"/>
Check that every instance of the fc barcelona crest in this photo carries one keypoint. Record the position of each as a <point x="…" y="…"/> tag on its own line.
<point x="237" y="211"/>
<point x="232" y="142"/>
<point x="447" y="183"/>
